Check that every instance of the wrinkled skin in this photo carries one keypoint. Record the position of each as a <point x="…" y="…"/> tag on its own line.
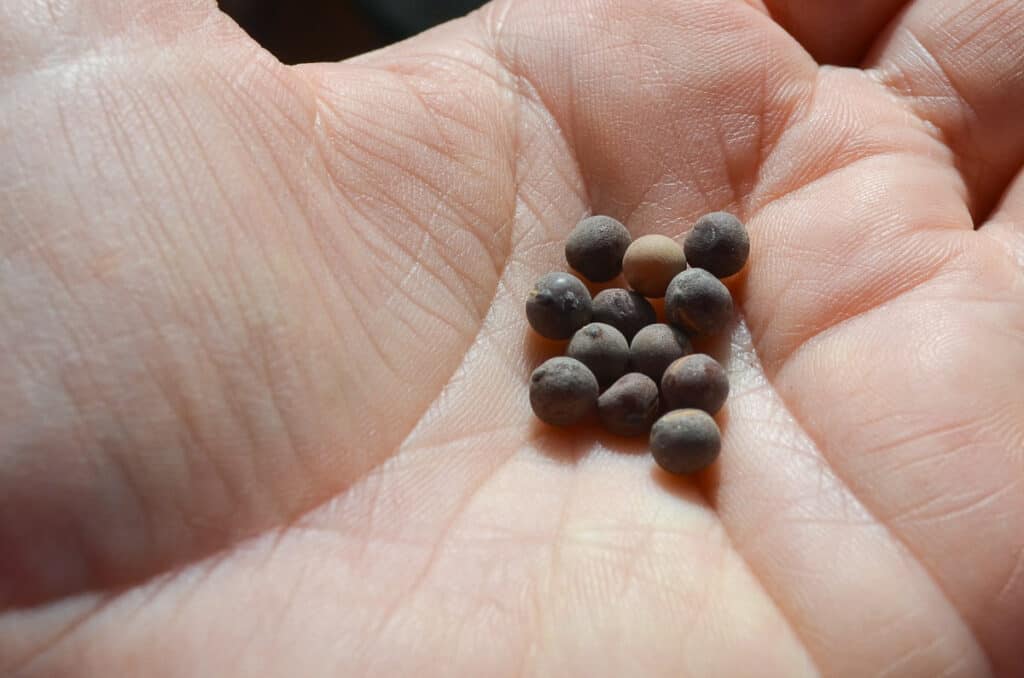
<point x="264" y="386"/>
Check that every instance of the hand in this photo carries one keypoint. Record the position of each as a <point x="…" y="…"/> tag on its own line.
<point x="263" y="396"/>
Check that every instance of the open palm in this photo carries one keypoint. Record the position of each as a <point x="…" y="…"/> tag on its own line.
<point x="263" y="395"/>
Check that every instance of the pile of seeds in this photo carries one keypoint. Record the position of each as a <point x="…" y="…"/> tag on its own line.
<point x="641" y="375"/>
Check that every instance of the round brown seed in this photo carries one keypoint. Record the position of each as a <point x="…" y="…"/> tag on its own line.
<point x="562" y="391"/>
<point x="626" y="311"/>
<point x="718" y="243"/>
<point x="558" y="305"/>
<point x="685" y="441"/>
<point x="698" y="303"/>
<point x="630" y="406"/>
<point x="650" y="264"/>
<point x="655" y="347"/>
<point x="603" y="349"/>
<point x="596" y="246"/>
<point x="697" y="381"/>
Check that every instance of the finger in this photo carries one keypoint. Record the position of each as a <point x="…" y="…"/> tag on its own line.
<point x="960" y="66"/>
<point x="835" y="31"/>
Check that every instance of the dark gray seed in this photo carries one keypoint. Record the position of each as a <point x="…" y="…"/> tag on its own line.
<point x="651" y="262"/>
<point x="630" y="406"/>
<point x="685" y="441"/>
<point x="655" y="347"/>
<point x="562" y="391"/>
<point x="718" y="243"/>
<point x="625" y="310"/>
<point x="603" y="349"/>
<point x="596" y="246"/>
<point x="695" y="382"/>
<point x="558" y="305"/>
<point x="698" y="303"/>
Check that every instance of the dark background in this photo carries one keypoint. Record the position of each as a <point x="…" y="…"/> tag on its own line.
<point x="299" y="31"/>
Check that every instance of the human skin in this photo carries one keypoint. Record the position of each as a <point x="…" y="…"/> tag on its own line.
<point x="263" y="395"/>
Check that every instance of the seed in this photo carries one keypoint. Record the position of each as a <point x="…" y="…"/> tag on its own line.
<point x="626" y="311"/>
<point x="695" y="382"/>
<point x="558" y="305"/>
<point x="685" y="441"/>
<point x="650" y="264"/>
<point x="718" y="243"/>
<point x="596" y="246"/>
<point x="562" y="391"/>
<point x="603" y="349"/>
<point x="698" y="303"/>
<point x="655" y="347"/>
<point x="630" y="405"/>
